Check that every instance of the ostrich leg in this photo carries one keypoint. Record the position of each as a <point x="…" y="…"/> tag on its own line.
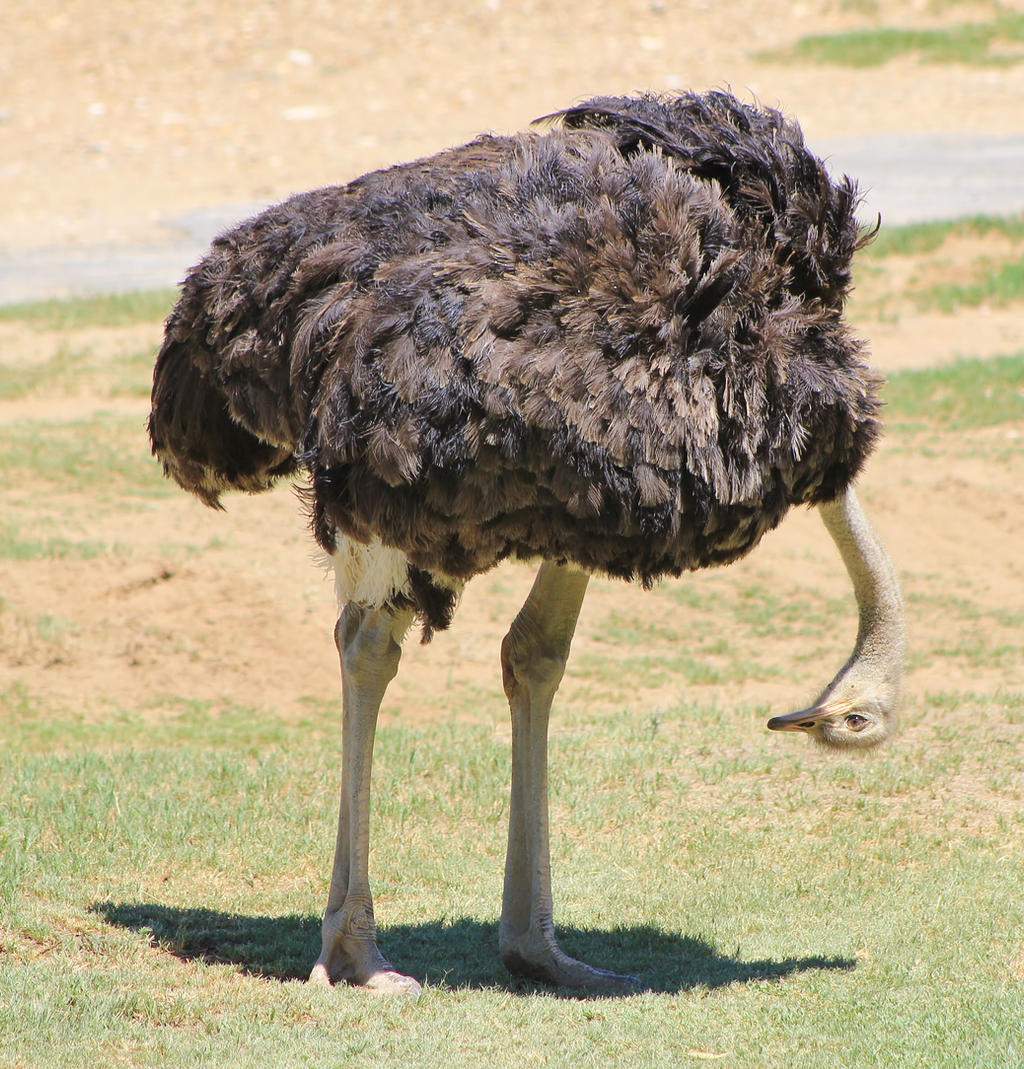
<point x="533" y="657"/>
<point x="369" y="644"/>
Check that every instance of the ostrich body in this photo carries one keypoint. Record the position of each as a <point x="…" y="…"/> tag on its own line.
<point x="615" y="345"/>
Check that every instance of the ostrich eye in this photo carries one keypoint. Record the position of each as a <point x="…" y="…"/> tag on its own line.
<point x="856" y="722"/>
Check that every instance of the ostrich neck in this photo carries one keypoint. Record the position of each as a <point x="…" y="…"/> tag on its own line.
<point x="880" y="634"/>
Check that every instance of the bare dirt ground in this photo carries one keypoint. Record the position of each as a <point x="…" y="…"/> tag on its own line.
<point x="117" y="115"/>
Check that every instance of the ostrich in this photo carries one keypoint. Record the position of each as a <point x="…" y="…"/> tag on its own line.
<point x="613" y="344"/>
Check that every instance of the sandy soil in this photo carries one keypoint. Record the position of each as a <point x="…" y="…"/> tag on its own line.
<point x="114" y="116"/>
<point x="118" y="115"/>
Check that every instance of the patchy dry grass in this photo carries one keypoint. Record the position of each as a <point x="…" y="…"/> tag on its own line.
<point x="960" y="396"/>
<point x="997" y="42"/>
<point x="944" y="268"/>
<point x="169" y="775"/>
<point x="115" y="310"/>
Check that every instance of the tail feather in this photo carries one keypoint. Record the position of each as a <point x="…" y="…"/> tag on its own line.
<point x="192" y="432"/>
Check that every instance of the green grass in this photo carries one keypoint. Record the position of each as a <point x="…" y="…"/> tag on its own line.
<point x="63" y="370"/>
<point x="114" y="310"/>
<point x="997" y="43"/>
<point x="944" y="277"/>
<point x="107" y="454"/>
<point x="874" y="7"/>
<point x="69" y="372"/>
<point x="964" y="395"/>
<point x="999" y="285"/>
<point x="32" y="725"/>
<point x="919" y="239"/>
<point x="16" y="545"/>
<point x="160" y="897"/>
<point x="695" y="649"/>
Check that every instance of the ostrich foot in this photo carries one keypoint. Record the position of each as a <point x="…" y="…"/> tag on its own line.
<point x="356" y="960"/>
<point x="386" y="982"/>
<point x="547" y="963"/>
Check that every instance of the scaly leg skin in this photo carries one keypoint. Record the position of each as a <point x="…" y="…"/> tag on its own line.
<point x="369" y="644"/>
<point x="533" y="657"/>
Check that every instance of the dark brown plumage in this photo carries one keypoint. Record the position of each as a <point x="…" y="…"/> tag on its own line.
<point x="616" y="345"/>
<point x="617" y="342"/>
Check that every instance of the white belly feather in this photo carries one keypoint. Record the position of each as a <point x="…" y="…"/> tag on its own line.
<point x="372" y="574"/>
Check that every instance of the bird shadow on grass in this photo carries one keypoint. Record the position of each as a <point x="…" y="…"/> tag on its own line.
<point x="461" y="953"/>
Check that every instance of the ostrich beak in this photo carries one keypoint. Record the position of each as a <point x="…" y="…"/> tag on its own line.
<point x="803" y="720"/>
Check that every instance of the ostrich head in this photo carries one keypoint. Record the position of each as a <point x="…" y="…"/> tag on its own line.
<point x="857" y="710"/>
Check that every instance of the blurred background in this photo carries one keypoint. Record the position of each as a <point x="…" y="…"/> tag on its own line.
<point x="132" y="131"/>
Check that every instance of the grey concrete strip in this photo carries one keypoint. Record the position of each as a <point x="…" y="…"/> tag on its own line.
<point x="87" y="270"/>
<point x="41" y="274"/>
<point x="921" y="177"/>
<point x="905" y="178"/>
